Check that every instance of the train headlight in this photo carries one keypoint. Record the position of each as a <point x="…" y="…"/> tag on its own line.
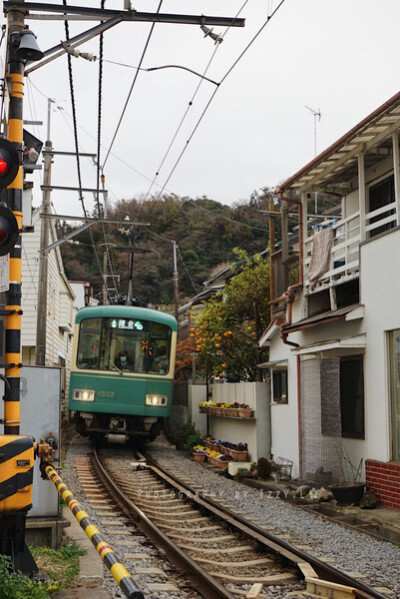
<point x="156" y="400"/>
<point x="84" y="394"/>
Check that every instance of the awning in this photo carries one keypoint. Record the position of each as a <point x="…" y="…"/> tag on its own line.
<point x="354" y="312"/>
<point x="355" y="342"/>
<point x="273" y="363"/>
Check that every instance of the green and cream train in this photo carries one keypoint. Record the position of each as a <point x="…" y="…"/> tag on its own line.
<point x="122" y="372"/>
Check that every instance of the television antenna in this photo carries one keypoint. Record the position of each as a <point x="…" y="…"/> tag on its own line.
<point x="317" y="115"/>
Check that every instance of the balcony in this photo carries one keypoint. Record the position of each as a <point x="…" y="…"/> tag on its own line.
<point x="347" y="236"/>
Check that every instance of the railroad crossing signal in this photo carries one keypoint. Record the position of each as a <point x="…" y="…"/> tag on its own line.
<point x="9" y="231"/>
<point x="9" y="165"/>
<point x="9" y="162"/>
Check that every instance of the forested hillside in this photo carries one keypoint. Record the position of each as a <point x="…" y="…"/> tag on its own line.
<point x="206" y="233"/>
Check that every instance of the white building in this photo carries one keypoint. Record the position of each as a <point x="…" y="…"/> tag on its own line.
<point x="335" y="337"/>
<point x="60" y="302"/>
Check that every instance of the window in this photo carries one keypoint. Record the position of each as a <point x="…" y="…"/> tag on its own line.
<point x="394" y="354"/>
<point x="352" y="396"/>
<point x="89" y="343"/>
<point x="124" y="345"/>
<point x="381" y="195"/>
<point x="279" y="386"/>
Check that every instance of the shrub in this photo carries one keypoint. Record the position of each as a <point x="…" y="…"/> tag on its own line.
<point x="16" y="585"/>
<point x="192" y="441"/>
<point x="264" y="468"/>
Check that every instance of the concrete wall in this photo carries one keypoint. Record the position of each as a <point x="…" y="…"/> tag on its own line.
<point x="197" y="394"/>
<point x="255" y="432"/>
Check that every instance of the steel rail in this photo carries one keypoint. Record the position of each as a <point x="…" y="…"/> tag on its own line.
<point x="201" y="580"/>
<point x="297" y="556"/>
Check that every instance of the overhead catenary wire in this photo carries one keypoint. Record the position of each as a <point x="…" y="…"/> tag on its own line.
<point x="72" y="92"/>
<point x="99" y="170"/>
<point x="188" y="108"/>
<point x="236" y="61"/>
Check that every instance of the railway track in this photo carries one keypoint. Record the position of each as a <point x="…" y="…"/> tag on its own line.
<point x="217" y="553"/>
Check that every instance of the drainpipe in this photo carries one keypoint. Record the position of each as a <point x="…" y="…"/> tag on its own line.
<point x="290" y="295"/>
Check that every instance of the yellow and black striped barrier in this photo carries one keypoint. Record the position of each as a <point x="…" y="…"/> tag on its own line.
<point x="118" y="570"/>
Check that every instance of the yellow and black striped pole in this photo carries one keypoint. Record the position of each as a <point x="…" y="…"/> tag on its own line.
<point x="118" y="570"/>
<point x="13" y="295"/>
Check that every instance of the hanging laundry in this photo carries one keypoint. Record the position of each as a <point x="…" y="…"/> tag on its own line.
<point x="320" y="255"/>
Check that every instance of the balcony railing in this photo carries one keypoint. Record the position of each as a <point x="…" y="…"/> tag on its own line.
<point x="344" y="255"/>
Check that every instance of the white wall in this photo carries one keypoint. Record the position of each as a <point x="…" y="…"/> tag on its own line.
<point x="284" y="417"/>
<point x="254" y="432"/>
<point x="380" y="292"/>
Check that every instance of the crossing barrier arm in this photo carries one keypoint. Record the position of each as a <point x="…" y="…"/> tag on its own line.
<point x="107" y="554"/>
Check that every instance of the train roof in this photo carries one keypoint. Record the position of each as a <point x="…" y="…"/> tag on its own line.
<point x="126" y="312"/>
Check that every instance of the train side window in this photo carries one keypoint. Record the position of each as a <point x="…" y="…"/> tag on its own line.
<point x="89" y="344"/>
<point x="160" y="348"/>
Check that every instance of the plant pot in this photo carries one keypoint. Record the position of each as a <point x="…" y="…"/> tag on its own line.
<point x="179" y="443"/>
<point x="238" y="456"/>
<point x="199" y="457"/>
<point x="216" y="462"/>
<point x="245" y="413"/>
<point x="347" y="493"/>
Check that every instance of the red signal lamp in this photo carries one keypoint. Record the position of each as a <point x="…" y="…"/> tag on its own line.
<point x="9" y="231"/>
<point x="9" y="162"/>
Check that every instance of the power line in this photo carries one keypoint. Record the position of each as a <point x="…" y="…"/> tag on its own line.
<point x="132" y="86"/>
<point x="189" y="106"/>
<point x="187" y="270"/>
<point x="215" y="91"/>
<point x="236" y="222"/>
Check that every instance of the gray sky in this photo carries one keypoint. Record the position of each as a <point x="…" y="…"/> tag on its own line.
<point x="337" y="56"/>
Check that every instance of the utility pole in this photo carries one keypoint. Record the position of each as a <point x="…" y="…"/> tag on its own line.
<point x="13" y="295"/>
<point x="175" y="282"/>
<point x="271" y="224"/>
<point x="131" y="259"/>
<point x="41" y="323"/>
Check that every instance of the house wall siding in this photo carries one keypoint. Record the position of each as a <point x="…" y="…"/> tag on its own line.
<point x="59" y="302"/>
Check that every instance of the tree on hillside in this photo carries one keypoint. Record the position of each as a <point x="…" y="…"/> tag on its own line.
<point x="206" y="232"/>
<point x="227" y="330"/>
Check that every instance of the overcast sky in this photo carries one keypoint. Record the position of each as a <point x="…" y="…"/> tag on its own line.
<point x="336" y="56"/>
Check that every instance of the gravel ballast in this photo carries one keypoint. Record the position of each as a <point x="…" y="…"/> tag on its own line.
<point x="376" y="562"/>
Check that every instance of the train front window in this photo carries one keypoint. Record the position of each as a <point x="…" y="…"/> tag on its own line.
<point x="89" y="344"/>
<point x="132" y="345"/>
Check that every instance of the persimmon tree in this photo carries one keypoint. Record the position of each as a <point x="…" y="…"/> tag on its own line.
<point x="227" y="330"/>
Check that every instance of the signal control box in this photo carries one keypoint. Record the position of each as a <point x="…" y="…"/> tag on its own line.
<point x="17" y="454"/>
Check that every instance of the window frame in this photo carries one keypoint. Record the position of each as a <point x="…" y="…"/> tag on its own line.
<point x="360" y="397"/>
<point x="276" y="373"/>
<point x="148" y="358"/>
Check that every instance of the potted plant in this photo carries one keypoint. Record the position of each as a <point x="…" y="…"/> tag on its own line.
<point x="199" y="453"/>
<point x="351" y="489"/>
